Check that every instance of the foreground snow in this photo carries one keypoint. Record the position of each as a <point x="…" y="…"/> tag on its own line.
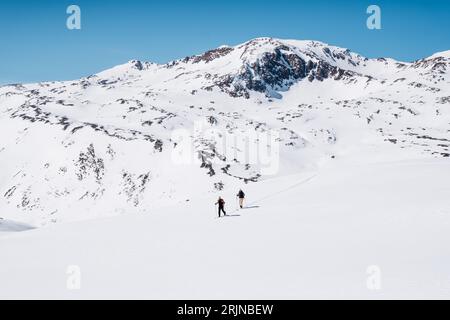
<point x="310" y="235"/>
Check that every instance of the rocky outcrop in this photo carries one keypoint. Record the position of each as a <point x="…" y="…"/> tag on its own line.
<point x="277" y="71"/>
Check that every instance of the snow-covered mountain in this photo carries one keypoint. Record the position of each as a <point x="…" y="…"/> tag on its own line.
<point x="104" y="144"/>
<point x="349" y="197"/>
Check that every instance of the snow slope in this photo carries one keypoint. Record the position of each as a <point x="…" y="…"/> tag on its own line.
<point x="311" y="235"/>
<point x="361" y="179"/>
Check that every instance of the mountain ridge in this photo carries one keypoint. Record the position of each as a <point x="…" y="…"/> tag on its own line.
<point x="105" y="144"/>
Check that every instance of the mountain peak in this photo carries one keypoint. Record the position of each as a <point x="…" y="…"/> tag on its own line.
<point x="441" y="54"/>
<point x="269" y="65"/>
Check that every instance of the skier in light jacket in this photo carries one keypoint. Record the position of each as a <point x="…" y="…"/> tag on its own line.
<point x="241" y="196"/>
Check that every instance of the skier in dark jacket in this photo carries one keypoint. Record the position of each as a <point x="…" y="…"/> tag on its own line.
<point x="221" y="204"/>
<point x="241" y="196"/>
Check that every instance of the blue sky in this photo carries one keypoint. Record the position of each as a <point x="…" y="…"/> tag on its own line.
<point x="37" y="46"/>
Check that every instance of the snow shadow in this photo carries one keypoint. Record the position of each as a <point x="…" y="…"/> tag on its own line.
<point x="12" y="226"/>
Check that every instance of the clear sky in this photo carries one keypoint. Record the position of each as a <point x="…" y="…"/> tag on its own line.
<point x="37" y="46"/>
